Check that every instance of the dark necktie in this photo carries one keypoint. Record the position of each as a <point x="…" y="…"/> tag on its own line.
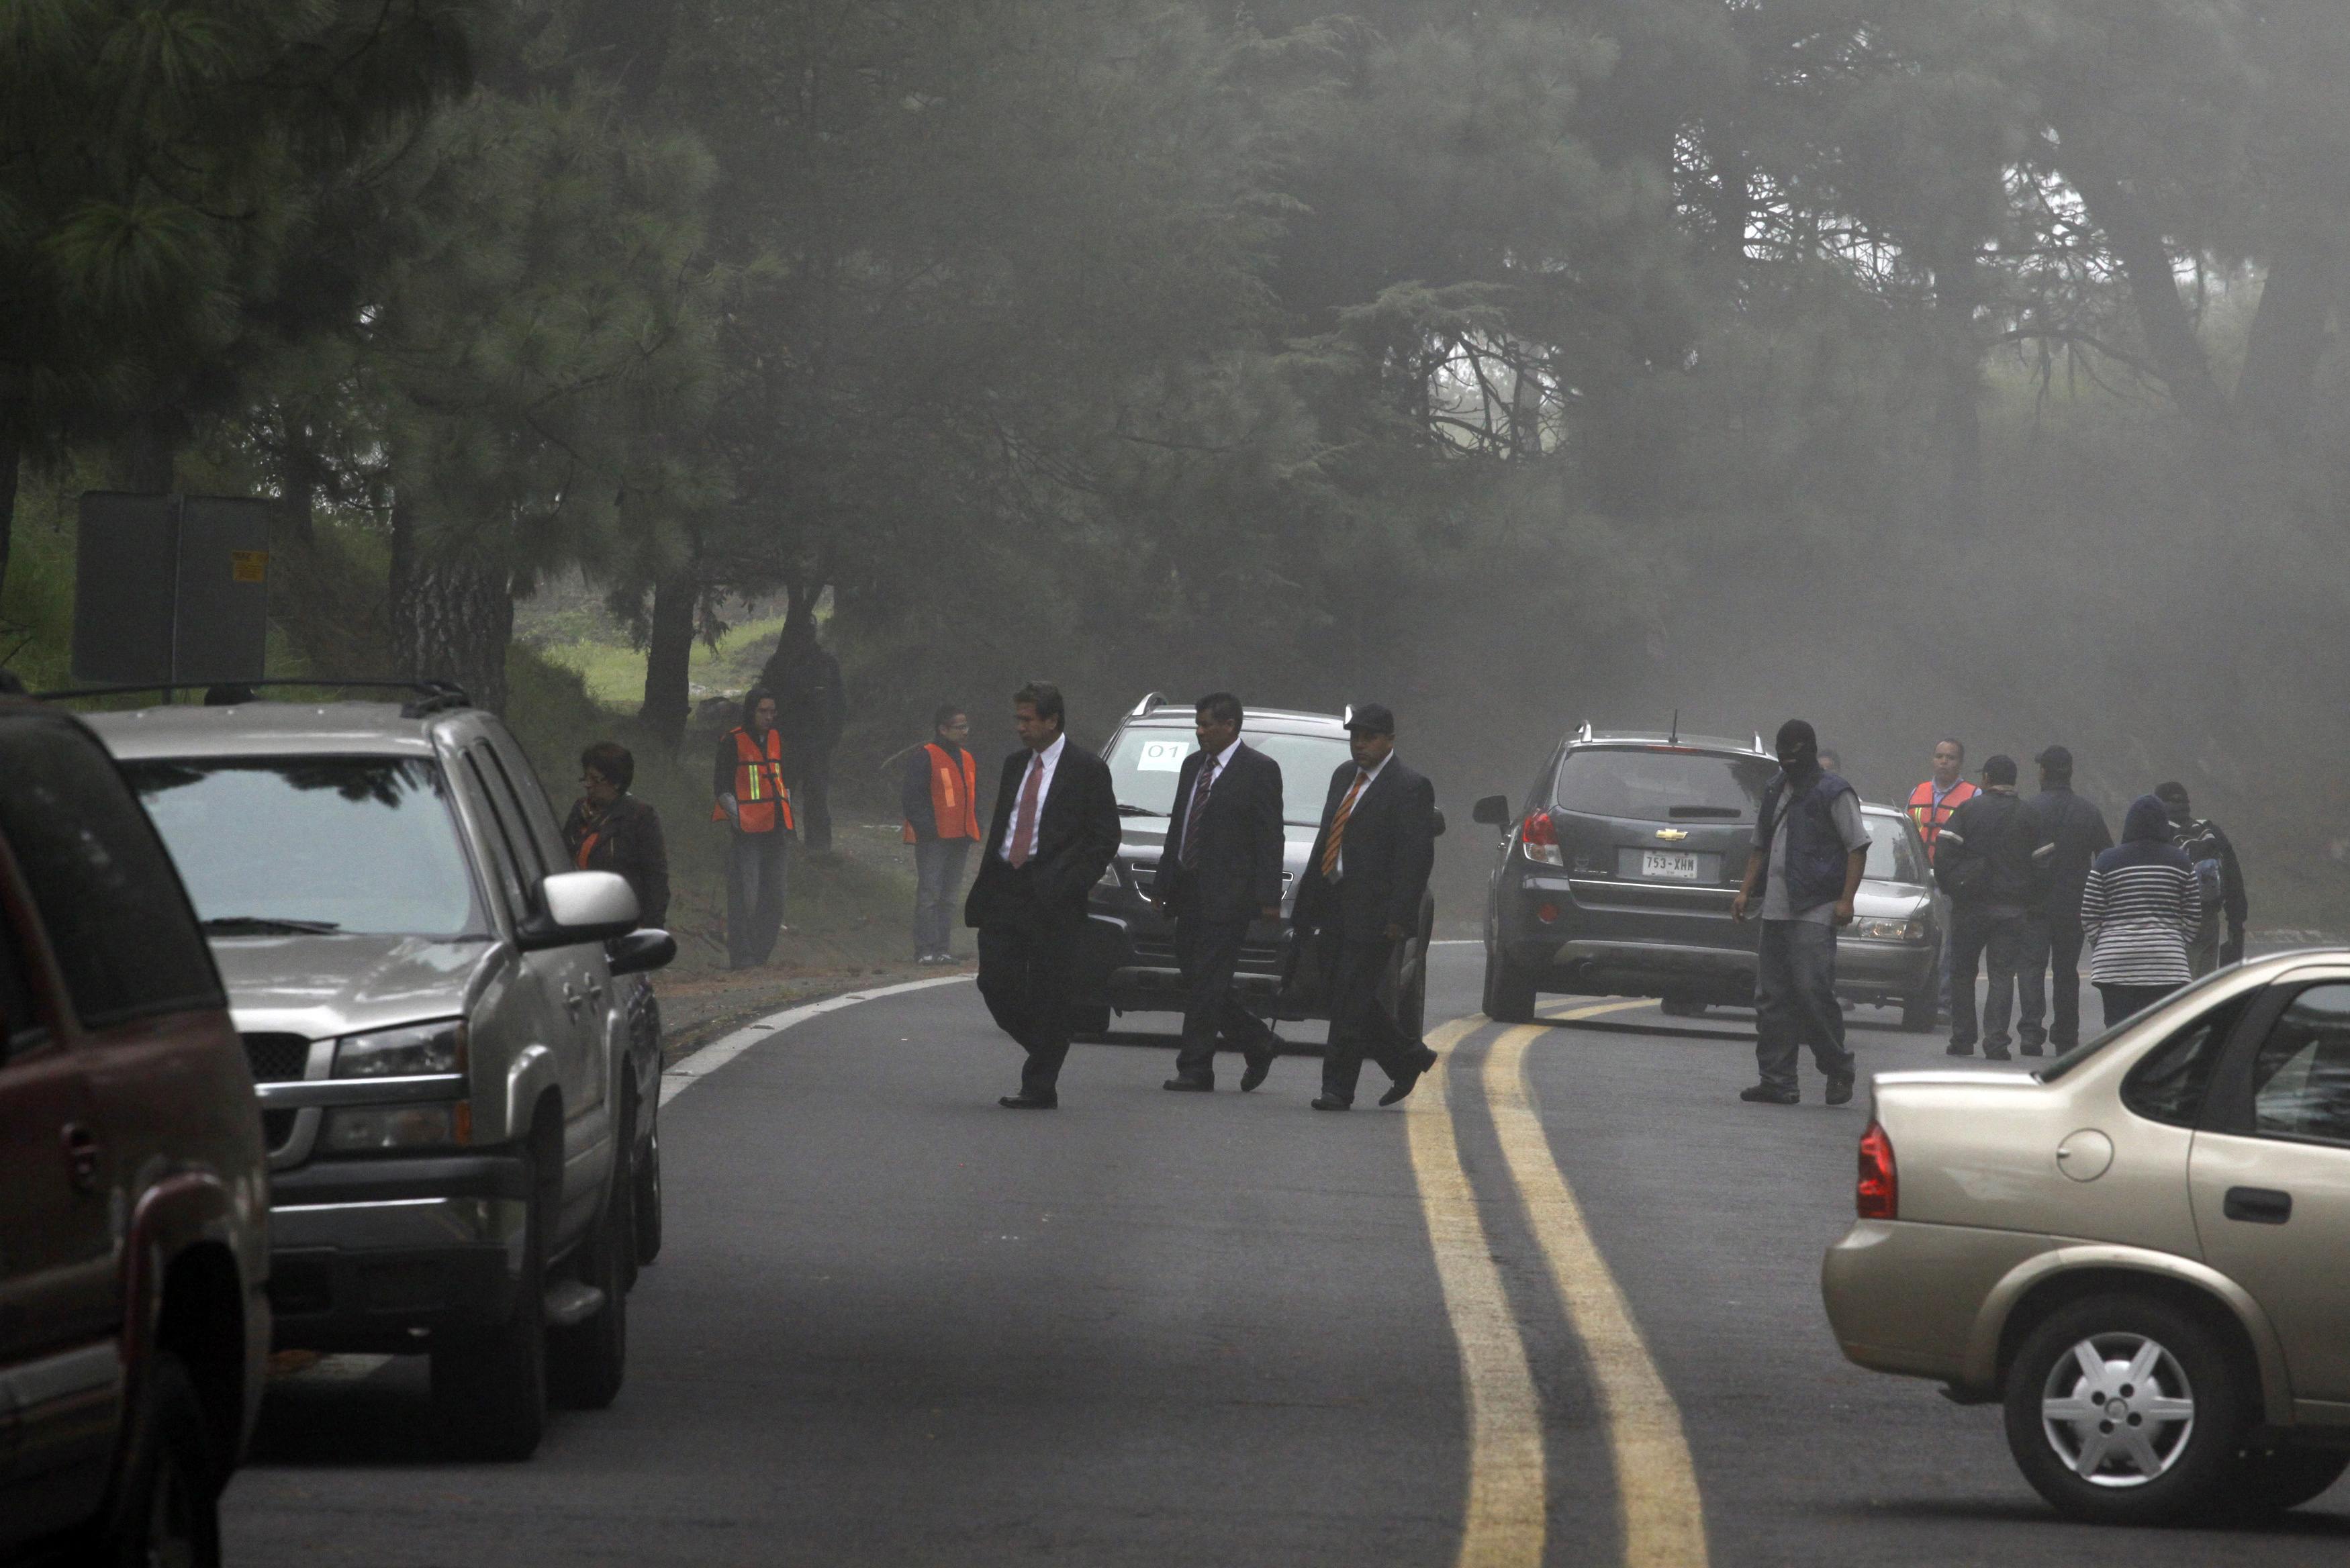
<point x="1199" y="809"/>
<point x="1023" y="825"/>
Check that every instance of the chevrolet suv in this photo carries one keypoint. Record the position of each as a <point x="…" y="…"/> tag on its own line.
<point x="1129" y="963"/>
<point x="1618" y="878"/>
<point x="459" y="1124"/>
<point x="134" y="1327"/>
<point x="2141" y="1251"/>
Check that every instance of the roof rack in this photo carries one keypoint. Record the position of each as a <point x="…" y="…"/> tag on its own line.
<point x="1585" y="733"/>
<point x="1149" y="704"/>
<point x="432" y="696"/>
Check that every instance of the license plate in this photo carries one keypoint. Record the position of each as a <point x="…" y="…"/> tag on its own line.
<point x="1676" y="865"/>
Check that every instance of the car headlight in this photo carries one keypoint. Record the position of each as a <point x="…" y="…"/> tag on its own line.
<point x="1912" y="931"/>
<point x="369" y="1129"/>
<point x="413" y="1052"/>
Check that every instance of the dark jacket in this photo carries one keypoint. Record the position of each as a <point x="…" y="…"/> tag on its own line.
<point x="2072" y="835"/>
<point x="627" y="839"/>
<point x="811" y="704"/>
<point x="2201" y="839"/>
<point x="1237" y="870"/>
<point x="1986" y="853"/>
<point x="1076" y="836"/>
<point x="1390" y="849"/>
<point x="1817" y="857"/>
<point x="914" y="789"/>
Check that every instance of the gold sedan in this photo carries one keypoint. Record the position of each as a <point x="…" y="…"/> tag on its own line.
<point x="2142" y="1249"/>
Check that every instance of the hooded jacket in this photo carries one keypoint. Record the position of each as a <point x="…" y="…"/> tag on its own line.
<point x="2140" y="906"/>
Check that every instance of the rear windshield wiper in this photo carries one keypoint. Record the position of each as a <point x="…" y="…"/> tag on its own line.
<point x="1727" y="813"/>
<point x="267" y="926"/>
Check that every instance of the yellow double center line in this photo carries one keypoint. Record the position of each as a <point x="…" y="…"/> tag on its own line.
<point x="1661" y="1513"/>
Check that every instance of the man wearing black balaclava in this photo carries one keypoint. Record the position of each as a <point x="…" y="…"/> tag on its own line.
<point x="1810" y="847"/>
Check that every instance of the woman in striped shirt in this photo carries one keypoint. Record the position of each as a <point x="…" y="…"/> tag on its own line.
<point x="2141" y="908"/>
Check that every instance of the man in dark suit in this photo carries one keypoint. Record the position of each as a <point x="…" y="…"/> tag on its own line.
<point x="1054" y="831"/>
<point x="1221" y="869"/>
<point x="1360" y="897"/>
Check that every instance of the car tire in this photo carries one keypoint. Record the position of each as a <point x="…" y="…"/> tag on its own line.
<point x="588" y="1361"/>
<point x="2097" y="1444"/>
<point x="1921" y="1013"/>
<point x="1680" y="1007"/>
<point x="2264" y="1482"/>
<point x="489" y="1386"/>
<point x="648" y="1184"/>
<point x="166" y="1506"/>
<point x="1509" y="990"/>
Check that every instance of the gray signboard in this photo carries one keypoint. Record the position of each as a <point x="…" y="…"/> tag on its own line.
<point x="171" y="591"/>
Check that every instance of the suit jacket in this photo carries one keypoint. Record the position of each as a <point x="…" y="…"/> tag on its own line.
<point x="1239" y="866"/>
<point x="1076" y="836"/>
<point x="1390" y="849"/>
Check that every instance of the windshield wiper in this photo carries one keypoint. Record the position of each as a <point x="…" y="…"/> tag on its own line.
<point x="267" y="926"/>
<point x="1126" y="810"/>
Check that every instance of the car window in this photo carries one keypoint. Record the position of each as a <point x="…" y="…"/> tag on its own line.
<point x="537" y="808"/>
<point x="1892" y="856"/>
<point x="2169" y="1083"/>
<point x="1654" y="785"/>
<point x="105" y="890"/>
<point x="497" y="839"/>
<point x="1145" y="765"/>
<point x="2300" y="1078"/>
<point x="530" y="853"/>
<point x="362" y="845"/>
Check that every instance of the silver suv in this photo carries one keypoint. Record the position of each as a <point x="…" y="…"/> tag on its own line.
<point x="461" y="1126"/>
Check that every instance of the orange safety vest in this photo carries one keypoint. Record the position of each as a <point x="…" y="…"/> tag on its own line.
<point x="952" y="792"/>
<point x="1931" y="817"/>
<point x="762" y="804"/>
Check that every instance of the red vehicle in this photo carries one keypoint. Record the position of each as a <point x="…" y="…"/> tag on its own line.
<point x="134" y="1327"/>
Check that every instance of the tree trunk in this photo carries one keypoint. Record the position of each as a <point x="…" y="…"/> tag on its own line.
<point x="148" y="459"/>
<point x="452" y="614"/>
<point x="303" y="472"/>
<point x="11" y="457"/>
<point x="1958" y="291"/>
<point x="2288" y="336"/>
<point x="669" y="697"/>
<point x="2145" y="261"/>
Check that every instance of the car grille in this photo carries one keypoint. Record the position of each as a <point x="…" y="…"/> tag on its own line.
<point x="1256" y="958"/>
<point x="278" y="1128"/>
<point x="276" y="1058"/>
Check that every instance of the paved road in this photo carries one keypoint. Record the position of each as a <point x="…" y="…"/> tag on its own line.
<point x="895" y="1324"/>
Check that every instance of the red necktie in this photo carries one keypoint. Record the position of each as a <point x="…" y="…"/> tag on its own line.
<point x="1023" y="825"/>
<point x="1339" y="825"/>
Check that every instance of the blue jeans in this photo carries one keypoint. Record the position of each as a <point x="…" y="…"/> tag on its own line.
<point x="938" y="878"/>
<point x="1796" y="1002"/>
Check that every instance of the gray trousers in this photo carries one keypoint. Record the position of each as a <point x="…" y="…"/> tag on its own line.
<point x="757" y="866"/>
<point x="938" y="877"/>
<point x="2203" y="947"/>
<point x="1796" y="1002"/>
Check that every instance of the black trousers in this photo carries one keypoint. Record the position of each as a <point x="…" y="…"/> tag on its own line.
<point x="1995" y="935"/>
<point x="2129" y="1000"/>
<point x="1361" y="1021"/>
<point x="2057" y="944"/>
<point x="1208" y="952"/>
<point x="1025" y="968"/>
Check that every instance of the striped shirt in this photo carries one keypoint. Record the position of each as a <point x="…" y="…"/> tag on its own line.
<point x="2141" y="914"/>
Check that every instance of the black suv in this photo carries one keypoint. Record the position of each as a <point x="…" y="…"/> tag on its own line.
<point x="1618" y="878"/>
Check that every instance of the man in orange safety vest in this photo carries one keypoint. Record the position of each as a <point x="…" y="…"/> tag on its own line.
<point x="747" y="780"/>
<point x="1931" y="806"/>
<point x="936" y="794"/>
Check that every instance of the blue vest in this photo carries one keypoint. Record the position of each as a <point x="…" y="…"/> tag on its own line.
<point x="1816" y="850"/>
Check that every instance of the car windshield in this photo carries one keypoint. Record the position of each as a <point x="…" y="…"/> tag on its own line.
<point x="1657" y="784"/>
<point x="1144" y="762"/>
<point x="284" y="845"/>
<point x="1891" y="855"/>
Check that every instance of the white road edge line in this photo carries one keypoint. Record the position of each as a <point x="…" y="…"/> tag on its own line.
<point x="690" y="1070"/>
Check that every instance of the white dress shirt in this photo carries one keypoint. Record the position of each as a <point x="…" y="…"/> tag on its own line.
<point x="1207" y="775"/>
<point x="1043" y="763"/>
<point x="1371" y="776"/>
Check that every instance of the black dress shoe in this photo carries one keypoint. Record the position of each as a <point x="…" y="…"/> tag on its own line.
<point x="1958" y="1050"/>
<point x="1410" y="1079"/>
<point x="1190" y="1084"/>
<point x="2031" y="1050"/>
<point x="1331" y="1103"/>
<point x="1839" y="1091"/>
<point x="1026" y="1100"/>
<point x="1259" y="1063"/>
<point x="1764" y="1094"/>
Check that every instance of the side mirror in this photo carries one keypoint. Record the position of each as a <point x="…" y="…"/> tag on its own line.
<point x="640" y="951"/>
<point x="1439" y="815"/>
<point x="1493" y="811"/>
<point x="580" y="906"/>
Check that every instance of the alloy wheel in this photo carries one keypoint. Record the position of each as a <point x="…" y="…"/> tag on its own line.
<point x="2118" y="1409"/>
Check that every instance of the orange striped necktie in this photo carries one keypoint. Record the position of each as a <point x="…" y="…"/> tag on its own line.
<point x="1339" y="825"/>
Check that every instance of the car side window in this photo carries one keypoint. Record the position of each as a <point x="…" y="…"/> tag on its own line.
<point x="538" y="810"/>
<point x="504" y="860"/>
<point x="2300" y="1076"/>
<point x="2169" y="1082"/>
<point x="104" y="888"/>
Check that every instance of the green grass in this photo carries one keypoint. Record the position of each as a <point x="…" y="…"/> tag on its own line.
<point x="614" y="673"/>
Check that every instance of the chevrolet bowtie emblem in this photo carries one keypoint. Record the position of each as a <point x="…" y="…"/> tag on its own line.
<point x="1671" y="835"/>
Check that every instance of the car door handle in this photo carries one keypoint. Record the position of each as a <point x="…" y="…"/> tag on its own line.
<point x="571" y="997"/>
<point x="595" y="992"/>
<point x="81" y="1157"/>
<point x="2257" y="1205"/>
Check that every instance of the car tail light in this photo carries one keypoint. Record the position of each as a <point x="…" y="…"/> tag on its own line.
<point x="1539" y="838"/>
<point x="1878" y="1195"/>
